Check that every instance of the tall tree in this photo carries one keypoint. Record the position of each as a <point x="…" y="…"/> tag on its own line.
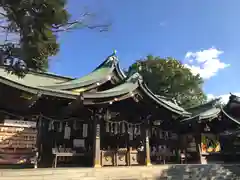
<point x="169" y="77"/>
<point x="36" y="22"/>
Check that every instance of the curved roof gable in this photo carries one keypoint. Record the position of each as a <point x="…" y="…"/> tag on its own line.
<point x="103" y="73"/>
<point x="131" y="84"/>
<point x="208" y="110"/>
<point x="164" y="102"/>
<point x="127" y="87"/>
<point x="34" y="78"/>
<point x="99" y="76"/>
<point x="37" y="90"/>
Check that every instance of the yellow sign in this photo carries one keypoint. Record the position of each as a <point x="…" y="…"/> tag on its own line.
<point x="210" y="143"/>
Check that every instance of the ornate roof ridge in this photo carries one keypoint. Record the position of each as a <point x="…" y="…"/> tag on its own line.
<point x="98" y="76"/>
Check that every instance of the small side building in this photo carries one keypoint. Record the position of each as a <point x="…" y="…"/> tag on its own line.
<point x="205" y="132"/>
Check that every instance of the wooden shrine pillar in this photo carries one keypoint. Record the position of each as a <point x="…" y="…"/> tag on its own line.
<point x="147" y="145"/>
<point x="39" y="141"/>
<point x="198" y="130"/>
<point x="198" y="142"/>
<point x="96" y="140"/>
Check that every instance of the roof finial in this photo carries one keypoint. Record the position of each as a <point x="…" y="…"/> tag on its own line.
<point x="114" y="52"/>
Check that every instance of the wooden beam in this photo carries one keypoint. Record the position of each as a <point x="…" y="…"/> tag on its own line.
<point x="27" y="101"/>
<point x="33" y="100"/>
<point x="96" y="138"/>
<point x="74" y="105"/>
<point x="147" y="144"/>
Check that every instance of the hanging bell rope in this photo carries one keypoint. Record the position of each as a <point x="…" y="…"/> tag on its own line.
<point x="124" y="121"/>
<point x="65" y="120"/>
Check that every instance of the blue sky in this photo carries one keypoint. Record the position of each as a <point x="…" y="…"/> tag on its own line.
<point x="201" y="33"/>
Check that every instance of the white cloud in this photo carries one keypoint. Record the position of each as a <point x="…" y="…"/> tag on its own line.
<point x="224" y="97"/>
<point x="206" y="62"/>
<point x="210" y="97"/>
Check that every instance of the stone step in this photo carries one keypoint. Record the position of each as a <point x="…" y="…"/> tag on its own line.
<point x="168" y="172"/>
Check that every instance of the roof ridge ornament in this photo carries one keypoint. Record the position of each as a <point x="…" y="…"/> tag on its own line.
<point x="112" y="57"/>
<point x="234" y="98"/>
<point x="110" y="61"/>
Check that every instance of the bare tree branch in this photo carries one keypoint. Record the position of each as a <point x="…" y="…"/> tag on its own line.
<point x="82" y="24"/>
<point x="101" y="27"/>
<point x="4" y="27"/>
<point x="3" y="15"/>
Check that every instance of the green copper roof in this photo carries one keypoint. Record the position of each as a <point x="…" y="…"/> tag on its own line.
<point x="165" y="103"/>
<point x="211" y="113"/>
<point x="37" y="90"/>
<point x="128" y="86"/>
<point x="34" y="78"/>
<point x="63" y="87"/>
<point x="100" y="75"/>
<point x="203" y="107"/>
<point x="170" y="103"/>
<point x="204" y="111"/>
<point x="120" y="72"/>
<point x="50" y="84"/>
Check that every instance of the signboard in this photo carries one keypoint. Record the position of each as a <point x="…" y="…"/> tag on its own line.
<point x="17" y="141"/>
<point x="191" y="143"/>
<point x="15" y="137"/>
<point x="157" y="122"/>
<point x="79" y="143"/>
<point x="20" y="123"/>
<point x="210" y="143"/>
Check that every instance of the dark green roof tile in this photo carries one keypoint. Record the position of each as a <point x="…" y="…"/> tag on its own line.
<point x="37" y="90"/>
<point x="128" y="86"/>
<point x="34" y="78"/>
<point x="102" y="73"/>
<point x="165" y="103"/>
<point x="204" y="111"/>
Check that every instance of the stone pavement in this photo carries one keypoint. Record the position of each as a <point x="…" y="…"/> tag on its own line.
<point x="158" y="172"/>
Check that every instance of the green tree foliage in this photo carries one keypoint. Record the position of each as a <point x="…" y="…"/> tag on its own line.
<point x="37" y="23"/>
<point x="170" y="78"/>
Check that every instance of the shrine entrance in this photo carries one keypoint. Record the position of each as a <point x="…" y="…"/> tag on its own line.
<point x="122" y="142"/>
<point x="66" y="142"/>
